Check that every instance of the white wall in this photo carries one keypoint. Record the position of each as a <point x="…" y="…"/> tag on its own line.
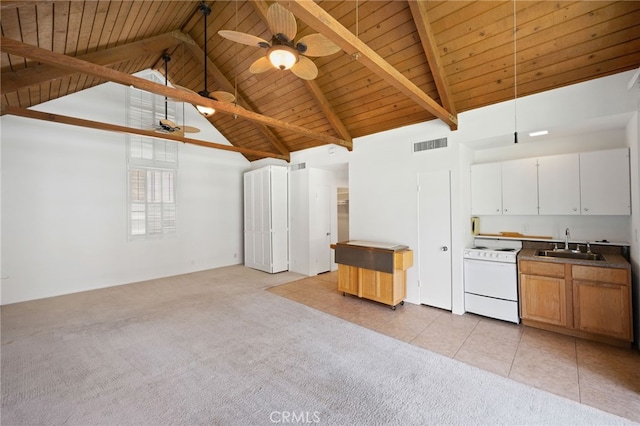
<point x="633" y="136"/>
<point x="383" y="170"/>
<point x="64" y="203"/>
<point x="383" y="198"/>
<point x="49" y="248"/>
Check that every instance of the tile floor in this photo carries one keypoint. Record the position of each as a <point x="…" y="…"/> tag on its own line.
<point x="595" y="374"/>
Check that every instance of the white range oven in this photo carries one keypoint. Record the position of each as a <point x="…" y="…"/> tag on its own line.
<point x="491" y="279"/>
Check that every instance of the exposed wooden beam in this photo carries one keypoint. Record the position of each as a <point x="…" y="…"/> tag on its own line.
<point x="8" y="45"/>
<point x="74" y="121"/>
<point x="328" y="111"/>
<point x="226" y="85"/>
<point x="41" y="73"/>
<point x="261" y="8"/>
<point x="430" y="47"/>
<point x="321" y="21"/>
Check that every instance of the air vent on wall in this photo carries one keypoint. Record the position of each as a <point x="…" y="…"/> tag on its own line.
<point x="298" y="166"/>
<point x="432" y="144"/>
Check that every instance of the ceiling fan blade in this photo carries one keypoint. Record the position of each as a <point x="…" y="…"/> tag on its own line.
<point x="318" y="45"/>
<point x="281" y="21"/>
<point x="184" y="89"/>
<point x="223" y="96"/>
<point x="243" y="38"/>
<point x="188" y="129"/>
<point x="260" y="66"/>
<point x="305" y="68"/>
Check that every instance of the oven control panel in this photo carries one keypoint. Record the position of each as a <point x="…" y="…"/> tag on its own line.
<point x="491" y="255"/>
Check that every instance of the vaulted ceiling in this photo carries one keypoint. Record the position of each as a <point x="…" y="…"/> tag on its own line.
<point x="399" y="62"/>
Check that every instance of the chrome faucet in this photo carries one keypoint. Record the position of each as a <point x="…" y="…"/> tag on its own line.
<point x="566" y="239"/>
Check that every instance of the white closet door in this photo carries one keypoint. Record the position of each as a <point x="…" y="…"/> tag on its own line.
<point x="279" y="216"/>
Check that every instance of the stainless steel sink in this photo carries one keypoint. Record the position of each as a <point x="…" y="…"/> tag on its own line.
<point x="569" y="254"/>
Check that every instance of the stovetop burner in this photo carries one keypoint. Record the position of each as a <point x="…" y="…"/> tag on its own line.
<point x="479" y="248"/>
<point x="505" y="249"/>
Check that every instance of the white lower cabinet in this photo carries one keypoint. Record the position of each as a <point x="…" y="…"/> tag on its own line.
<point x="266" y="232"/>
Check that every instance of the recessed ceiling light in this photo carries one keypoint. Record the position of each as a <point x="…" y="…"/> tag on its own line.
<point x="539" y="133"/>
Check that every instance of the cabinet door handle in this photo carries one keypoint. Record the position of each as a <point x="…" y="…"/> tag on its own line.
<point x="586" y="209"/>
<point x="444" y="248"/>
<point x="575" y="209"/>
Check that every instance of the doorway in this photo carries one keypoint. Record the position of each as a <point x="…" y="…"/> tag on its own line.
<point x="343" y="214"/>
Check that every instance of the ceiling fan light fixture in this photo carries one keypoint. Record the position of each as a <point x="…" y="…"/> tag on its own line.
<point x="205" y="110"/>
<point x="282" y="57"/>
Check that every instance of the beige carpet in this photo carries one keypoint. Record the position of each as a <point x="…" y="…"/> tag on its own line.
<point x="215" y="348"/>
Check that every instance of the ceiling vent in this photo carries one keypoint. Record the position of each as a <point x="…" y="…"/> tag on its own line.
<point x="432" y="144"/>
<point x="298" y="166"/>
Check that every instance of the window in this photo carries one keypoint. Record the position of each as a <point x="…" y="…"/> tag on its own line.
<point x="152" y="204"/>
<point x="152" y="169"/>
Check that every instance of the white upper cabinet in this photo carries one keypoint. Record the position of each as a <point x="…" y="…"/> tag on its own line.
<point x="486" y="189"/>
<point x="559" y="184"/>
<point x="590" y="183"/>
<point x="520" y="187"/>
<point x="604" y="182"/>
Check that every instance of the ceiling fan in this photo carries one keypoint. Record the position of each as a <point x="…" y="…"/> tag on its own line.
<point x="282" y="52"/>
<point x="166" y="125"/>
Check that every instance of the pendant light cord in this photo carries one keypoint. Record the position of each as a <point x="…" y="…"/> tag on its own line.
<point x="515" y="73"/>
<point x="357" y="19"/>
<point x="206" y="10"/>
<point x="356" y="55"/>
<point x="235" y="101"/>
<point x="166" y="58"/>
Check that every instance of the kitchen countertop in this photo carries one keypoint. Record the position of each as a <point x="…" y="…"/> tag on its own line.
<point x="610" y="260"/>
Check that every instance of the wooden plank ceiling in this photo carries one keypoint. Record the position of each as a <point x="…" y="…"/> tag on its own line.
<point x="400" y="62"/>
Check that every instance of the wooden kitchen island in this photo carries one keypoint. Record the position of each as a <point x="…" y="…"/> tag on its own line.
<point x="372" y="270"/>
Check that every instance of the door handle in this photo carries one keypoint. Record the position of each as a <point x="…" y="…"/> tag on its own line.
<point x="444" y="248"/>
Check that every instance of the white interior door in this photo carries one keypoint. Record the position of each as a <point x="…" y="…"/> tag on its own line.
<point x="434" y="230"/>
<point x="320" y="229"/>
